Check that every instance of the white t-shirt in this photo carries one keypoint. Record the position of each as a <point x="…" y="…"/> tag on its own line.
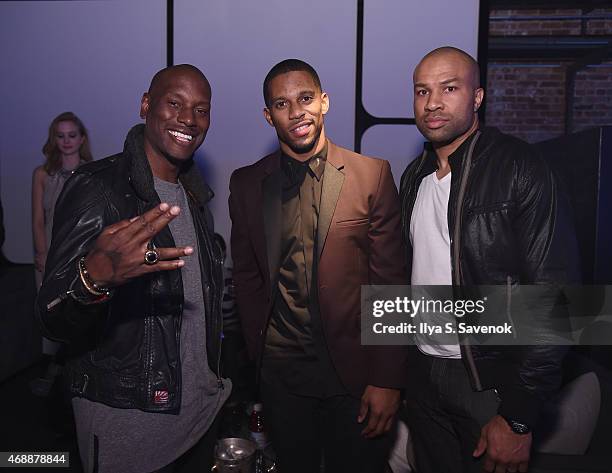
<point x="431" y="257"/>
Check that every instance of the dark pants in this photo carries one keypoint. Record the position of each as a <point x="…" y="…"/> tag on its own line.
<point x="237" y="367"/>
<point x="199" y="458"/>
<point x="446" y="415"/>
<point x="305" y="429"/>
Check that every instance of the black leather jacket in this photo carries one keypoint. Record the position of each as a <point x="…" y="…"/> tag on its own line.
<point x="126" y="350"/>
<point x="507" y="226"/>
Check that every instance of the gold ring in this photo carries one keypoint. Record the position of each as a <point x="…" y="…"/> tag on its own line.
<point x="151" y="257"/>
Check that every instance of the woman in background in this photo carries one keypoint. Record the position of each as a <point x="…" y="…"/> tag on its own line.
<point x="66" y="148"/>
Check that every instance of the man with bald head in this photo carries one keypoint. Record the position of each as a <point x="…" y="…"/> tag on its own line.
<point x="133" y="287"/>
<point x="478" y="208"/>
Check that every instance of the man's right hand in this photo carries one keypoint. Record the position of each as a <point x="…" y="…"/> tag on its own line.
<point x="118" y="254"/>
<point x="504" y="450"/>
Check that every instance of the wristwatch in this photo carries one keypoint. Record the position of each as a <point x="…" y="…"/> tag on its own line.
<point x="518" y="427"/>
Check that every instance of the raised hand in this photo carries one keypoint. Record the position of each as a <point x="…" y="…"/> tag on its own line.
<point x="118" y="254"/>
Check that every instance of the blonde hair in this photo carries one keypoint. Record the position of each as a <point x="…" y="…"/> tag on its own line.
<point x="50" y="150"/>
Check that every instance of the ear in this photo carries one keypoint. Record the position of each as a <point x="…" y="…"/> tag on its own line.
<point x="268" y="116"/>
<point x="478" y="98"/>
<point x="324" y="102"/>
<point x="144" y="105"/>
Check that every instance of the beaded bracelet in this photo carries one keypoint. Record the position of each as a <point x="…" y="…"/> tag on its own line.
<point x="88" y="283"/>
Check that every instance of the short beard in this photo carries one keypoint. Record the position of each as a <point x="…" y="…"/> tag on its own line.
<point x="449" y="136"/>
<point x="306" y="147"/>
<point x="440" y="140"/>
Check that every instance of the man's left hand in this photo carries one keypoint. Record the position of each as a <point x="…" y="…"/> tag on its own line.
<point x="505" y="451"/>
<point x="379" y="405"/>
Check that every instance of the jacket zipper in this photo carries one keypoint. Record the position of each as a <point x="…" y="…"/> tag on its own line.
<point x="467" y="164"/>
<point x="509" y="304"/>
<point x="149" y="330"/>
<point x="219" y="300"/>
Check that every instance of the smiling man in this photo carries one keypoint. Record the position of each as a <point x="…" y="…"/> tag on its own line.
<point x="478" y="208"/>
<point x="311" y="223"/>
<point x="133" y="286"/>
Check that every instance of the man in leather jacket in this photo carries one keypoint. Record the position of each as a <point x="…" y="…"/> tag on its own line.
<point x="478" y="208"/>
<point x="133" y="287"/>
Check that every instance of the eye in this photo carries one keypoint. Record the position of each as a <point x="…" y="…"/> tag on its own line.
<point x="307" y="98"/>
<point x="280" y="104"/>
<point x="202" y="111"/>
<point x="450" y="88"/>
<point x="72" y="135"/>
<point x="173" y="103"/>
<point x="421" y="92"/>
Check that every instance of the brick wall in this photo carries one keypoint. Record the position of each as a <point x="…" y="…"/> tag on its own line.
<point x="600" y="26"/>
<point x="528" y="100"/>
<point x="534" y="27"/>
<point x="593" y="97"/>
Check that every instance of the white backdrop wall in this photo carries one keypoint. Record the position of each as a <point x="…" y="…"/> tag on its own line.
<point x="97" y="57"/>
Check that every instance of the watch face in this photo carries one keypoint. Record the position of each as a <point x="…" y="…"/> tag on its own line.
<point x="519" y="428"/>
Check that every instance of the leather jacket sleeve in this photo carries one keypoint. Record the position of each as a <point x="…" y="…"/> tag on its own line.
<point x="80" y="215"/>
<point x="546" y="246"/>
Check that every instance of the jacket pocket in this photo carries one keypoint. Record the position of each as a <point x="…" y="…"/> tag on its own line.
<point x="493" y="207"/>
<point x="354" y="222"/>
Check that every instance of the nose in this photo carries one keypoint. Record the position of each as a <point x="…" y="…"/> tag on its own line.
<point x="295" y="112"/>
<point x="434" y="101"/>
<point x="186" y="116"/>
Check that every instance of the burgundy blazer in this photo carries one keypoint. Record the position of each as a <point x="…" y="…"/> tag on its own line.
<point x="358" y="242"/>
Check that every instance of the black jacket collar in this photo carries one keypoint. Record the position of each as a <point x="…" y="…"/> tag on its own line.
<point x="489" y="135"/>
